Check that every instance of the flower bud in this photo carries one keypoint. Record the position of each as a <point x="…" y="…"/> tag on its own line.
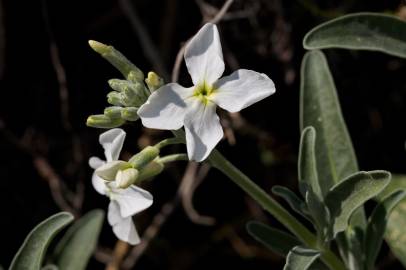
<point x="129" y="113"/>
<point x="103" y="121"/>
<point x="113" y="112"/>
<point x="132" y="94"/>
<point x="109" y="170"/>
<point x="118" y="60"/>
<point x="148" y="154"/>
<point x="150" y="170"/>
<point x="114" y="98"/>
<point x="126" y="178"/>
<point x="153" y="81"/>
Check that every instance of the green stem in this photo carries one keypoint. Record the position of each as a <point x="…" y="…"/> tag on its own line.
<point x="174" y="157"/>
<point x="168" y="141"/>
<point x="218" y="161"/>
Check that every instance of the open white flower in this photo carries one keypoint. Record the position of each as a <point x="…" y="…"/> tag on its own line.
<point x="124" y="203"/>
<point x="173" y="106"/>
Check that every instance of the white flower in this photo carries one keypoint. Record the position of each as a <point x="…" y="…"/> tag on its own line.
<point x="173" y="106"/>
<point x="124" y="203"/>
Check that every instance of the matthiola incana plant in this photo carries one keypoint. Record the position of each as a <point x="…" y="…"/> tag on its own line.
<point x="326" y="224"/>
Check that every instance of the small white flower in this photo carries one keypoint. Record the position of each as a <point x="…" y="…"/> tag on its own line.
<point x="173" y="106"/>
<point x="124" y="203"/>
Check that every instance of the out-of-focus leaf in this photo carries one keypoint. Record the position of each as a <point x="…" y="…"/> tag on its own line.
<point x="396" y="224"/>
<point x="300" y="258"/>
<point x="50" y="267"/>
<point x="360" y="31"/>
<point x="32" y="251"/>
<point x="274" y="239"/>
<point x="376" y="226"/>
<point x="307" y="161"/>
<point x="78" y="244"/>
<point x="350" y="194"/>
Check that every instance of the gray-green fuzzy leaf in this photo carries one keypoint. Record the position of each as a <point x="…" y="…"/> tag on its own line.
<point x="377" y="225"/>
<point x="275" y="240"/>
<point x="319" y="107"/>
<point x="301" y="258"/>
<point x="360" y="31"/>
<point x="350" y="194"/>
<point x="32" y="251"/>
<point x="307" y="161"/>
<point x="292" y="199"/>
<point x="78" y="244"/>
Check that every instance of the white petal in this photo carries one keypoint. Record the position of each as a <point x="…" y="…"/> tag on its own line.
<point x="99" y="184"/>
<point x="203" y="130"/>
<point x="132" y="200"/>
<point x="123" y="228"/>
<point x="165" y="107"/>
<point x="95" y="162"/>
<point x="203" y="55"/>
<point x="112" y="142"/>
<point x="241" y="89"/>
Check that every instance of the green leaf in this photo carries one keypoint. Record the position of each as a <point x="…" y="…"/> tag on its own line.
<point x="320" y="213"/>
<point x="360" y="31"/>
<point x="396" y="224"/>
<point x="300" y="258"/>
<point x="32" y="251"/>
<point x="350" y="194"/>
<point x="320" y="108"/>
<point x="274" y="239"/>
<point x="307" y="161"/>
<point x="50" y="267"/>
<point x="79" y="242"/>
<point x="292" y="199"/>
<point x="377" y="225"/>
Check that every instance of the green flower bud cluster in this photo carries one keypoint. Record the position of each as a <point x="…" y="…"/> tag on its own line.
<point x="140" y="167"/>
<point x="127" y="95"/>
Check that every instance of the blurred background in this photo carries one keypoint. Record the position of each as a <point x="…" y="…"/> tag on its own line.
<point x="51" y="80"/>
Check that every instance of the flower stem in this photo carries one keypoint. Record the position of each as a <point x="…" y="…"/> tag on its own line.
<point x="218" y="161"/>
<point x="168" y="141"/>
<point x="174" y="157"/>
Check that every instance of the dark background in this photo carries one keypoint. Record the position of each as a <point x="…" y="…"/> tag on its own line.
<point x="45" y="144"/>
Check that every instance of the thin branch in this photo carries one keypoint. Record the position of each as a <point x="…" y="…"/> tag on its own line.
<point x="148" y="46"/>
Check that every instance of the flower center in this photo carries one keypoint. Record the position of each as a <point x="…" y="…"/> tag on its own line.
<point x="203" y="91"/>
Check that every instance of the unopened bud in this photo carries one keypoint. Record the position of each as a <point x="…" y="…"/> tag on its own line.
<point x="150" y="170"/>
<point x="132" y="94"/>
<point x="114" y="98"/>
<point x="113" y="112"/>
<point x="144" y="157"/>
<point x="109" y="170"/>
<point x="153" y="81"/>
<point x="118" y="60"/>
<point x="103" y="121"/>
<point x="129" y="114"/>
<point x="126" y="178"/>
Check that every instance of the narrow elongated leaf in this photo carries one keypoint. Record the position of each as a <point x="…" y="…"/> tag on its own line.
<point x="292" y="199"/>
<point x="301" y="258"/>
<point x="50" y="267"/>
<point x="32" y="251"/>
<point x="396" y="225"/>
<point x="360" y="31"/>
<point x="307" y="161"/>
<point x="350" y="194"/>
<point x="376" y="226"/>
<point x="319" y="107"/>
<point x="320" y="214"/>
<point x="276" y="240"/>
<point x="78" y="244"/>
